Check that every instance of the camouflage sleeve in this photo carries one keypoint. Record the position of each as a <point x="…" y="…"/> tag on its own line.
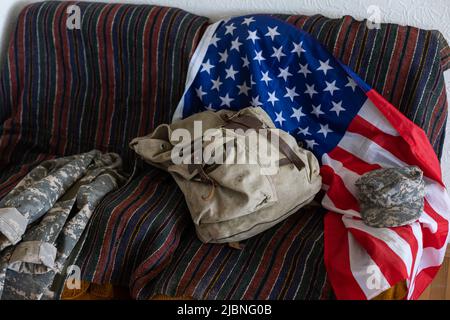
<point x="12" y="226"/>
<point x="37" y="193"/>
<point x="88" y="198"/>
<point x="45" y="247"/>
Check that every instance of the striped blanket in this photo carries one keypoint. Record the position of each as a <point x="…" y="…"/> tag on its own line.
<point x="122" y="73"/>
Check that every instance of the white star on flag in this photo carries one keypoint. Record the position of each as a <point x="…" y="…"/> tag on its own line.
<point x="280" y="118"/>
<point x="246" y="63"/>
<point x="243" y="88"/>
<point x="290" y="93"/>
<point x="337" y="107"/>
<point x="331" y="87"/>
<point x="235" y="44"/>
<point x="226" y="100"/>
<point x="265" y="77"/>
<point x="297" y="113"/>
<point x="272" y="33"/>
<point x="324" y="66"/>
<point x="256" y="102"/>
<point x="351" y="83"/>
<point x="284" y="73"/>
<point x="298" y="49"/>
<point x="230" y="29"/>
<point x="311" y="143"/>
<point x="247" y="21"/>
<point x="210" y="107"/>
<point x="223" y="56"/>
<point x="214" y="40"/>
<point x="272" y="98"/>
<point x="304" y="131"/>
<point x="259" y="56"/>
<point x="206" y="66"/>
<point x="316" y="110"/>
<point x="278" y="53"/>
<point x="230" y="73"/>
<point x="200" y="92"/>
<point x="310" y="90"/>
<point x="324" y="130"/>
<point x="304" y="70"/>
<point x="216" y="84"/>
<point x="252" y="36"/>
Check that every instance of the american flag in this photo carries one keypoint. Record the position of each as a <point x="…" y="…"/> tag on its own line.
<point x="262" y="61"/>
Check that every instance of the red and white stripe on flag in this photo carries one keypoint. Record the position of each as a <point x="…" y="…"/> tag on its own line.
<point x="363" y="261"/>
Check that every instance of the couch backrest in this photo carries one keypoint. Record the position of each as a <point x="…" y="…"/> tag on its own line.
<point x="66" y="91"/>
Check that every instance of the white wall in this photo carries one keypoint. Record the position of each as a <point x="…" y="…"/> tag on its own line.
<point x="424" y="14"/>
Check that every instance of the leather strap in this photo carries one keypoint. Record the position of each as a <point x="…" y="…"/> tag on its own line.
<point x="287" y="151"/>
<point x="249" y="122"/>
<point x="245" y="121"/>
<point x="204" y="177"/>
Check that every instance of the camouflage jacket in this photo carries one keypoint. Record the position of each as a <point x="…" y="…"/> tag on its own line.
<point x="44" y="216"/>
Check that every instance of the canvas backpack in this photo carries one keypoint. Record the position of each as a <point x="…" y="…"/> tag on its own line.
<point x="229" y="196"/>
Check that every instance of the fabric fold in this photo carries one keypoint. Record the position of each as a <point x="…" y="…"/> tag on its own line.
<point x="12" y="226"/>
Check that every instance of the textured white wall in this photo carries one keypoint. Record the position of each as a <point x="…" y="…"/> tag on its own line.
<point x="424" y="14"/>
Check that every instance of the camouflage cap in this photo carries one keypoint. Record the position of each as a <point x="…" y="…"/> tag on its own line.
<point x="391" y="197"/>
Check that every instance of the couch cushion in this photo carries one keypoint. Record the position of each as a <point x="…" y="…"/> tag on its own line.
<point x="284" y="262"/>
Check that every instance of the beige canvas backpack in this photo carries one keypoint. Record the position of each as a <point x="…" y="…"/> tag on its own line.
<point x="239" y="175"/>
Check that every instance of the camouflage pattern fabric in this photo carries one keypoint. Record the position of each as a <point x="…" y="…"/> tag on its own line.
<point x="391" y="197"/>
<point x="54" y="201"/>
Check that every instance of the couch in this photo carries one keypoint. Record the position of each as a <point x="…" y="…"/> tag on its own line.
<point x="65" y="91"/>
